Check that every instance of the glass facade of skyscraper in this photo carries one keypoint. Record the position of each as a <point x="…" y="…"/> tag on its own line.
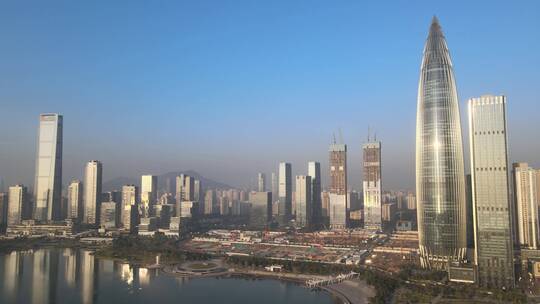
<point x="440" y="177"/>
<point x="490" y="195"/>
<point x="48" y="182"/>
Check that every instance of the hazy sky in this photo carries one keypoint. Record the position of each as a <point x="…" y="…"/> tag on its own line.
<point x="230" y="88"/>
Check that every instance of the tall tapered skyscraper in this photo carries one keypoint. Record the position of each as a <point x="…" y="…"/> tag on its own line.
<point x="48" y="184"/>
<point x="494" y="250"/>
<point x="440" y="176"/>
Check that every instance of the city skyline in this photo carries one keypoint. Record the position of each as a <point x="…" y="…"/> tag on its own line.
<point x="432" y="199"/>
<point x="219" y="160"/>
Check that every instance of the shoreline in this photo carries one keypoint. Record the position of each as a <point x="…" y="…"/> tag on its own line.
<point x="230" y="272"/>
<point x="240" y="274"/>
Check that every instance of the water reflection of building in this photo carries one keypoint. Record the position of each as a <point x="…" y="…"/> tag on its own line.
<point x="126" y="273"/>
<point x="106" y="266"/>
<point x="12" y="272"/>
<point x="70" y="266"/>
<point x="144" y="276"/>
<point x="87" y="276"/>
<point x="44" y="276"/>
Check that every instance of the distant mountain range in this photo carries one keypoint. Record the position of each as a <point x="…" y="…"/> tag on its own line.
<point x="117" y="183"/>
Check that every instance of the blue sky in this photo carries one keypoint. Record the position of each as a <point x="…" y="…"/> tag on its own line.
<point x="230" y="88"/>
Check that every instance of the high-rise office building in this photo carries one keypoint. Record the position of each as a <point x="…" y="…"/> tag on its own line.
<point x="92" y="192"/>
<point x="527" y="198"/>
<point x="261" y="182"/>
<point x="185" y="191"/>
<point x="285" y="193"/>
<point x="303" y="199"/>
<point x="75" y="200"/>
<point x="210" y="202"/>
<point x="411" y="201"/>
<point x="440" y="175"/>
<point x="149" y="194"/>
<point x="490" y="193"/>
<point x="109" y="213"/>
<point x="197" y="191"/>
<point x="388" y="211"/>
<point x="314" y="172"/>
<point x="372" y="185"/>
<point x="338" y="186"/>
<point x="129" y="210"/>
<point x="275" y="193"/>
<point x="169" y="185"/>
<point x="3" y="210"/>
<point x="48" y="182"/>
<point x="260" y="213"/>
<point x="18" y="205"/>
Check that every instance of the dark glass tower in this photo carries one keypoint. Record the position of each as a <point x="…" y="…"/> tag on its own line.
<point x="440" y="177"/>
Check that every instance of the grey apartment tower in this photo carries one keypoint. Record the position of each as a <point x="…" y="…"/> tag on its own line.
<point x="48" y="182"/>
<point x="440" y="176"/>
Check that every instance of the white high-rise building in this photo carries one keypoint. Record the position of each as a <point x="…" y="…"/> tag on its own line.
<point x="48" y="182"/>
<point x="75" y="200"/>
<point x="92" y="192"/>
<point x="372" y="185"/>
<point x="149" y="194"/>
<point x="303" y="201"/>
<point x="129" y="209"/>
<point x="17" y="204"/>
<point x="527" y="194"/>
<point x="490" y="194"/>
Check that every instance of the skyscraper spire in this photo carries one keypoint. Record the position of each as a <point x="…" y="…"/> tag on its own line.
<point x="440" y="181"/>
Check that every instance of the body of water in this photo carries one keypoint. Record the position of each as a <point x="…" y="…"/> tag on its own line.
<point x="76" y="276"/>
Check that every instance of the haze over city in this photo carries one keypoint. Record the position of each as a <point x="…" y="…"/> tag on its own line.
<point x="231" y="89"/>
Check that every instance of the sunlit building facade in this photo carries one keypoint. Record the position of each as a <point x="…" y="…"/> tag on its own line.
<point x="303" y="201"/>
<point x="129" y="209"/>
<point x="48" y="182"/>
<point x="149" y="194"/>
<point x="372" y="185"/>
<point x="527" y="198"/>
<point x="75" y="200"/>
<point x="440" y="176"/>
<point x="338" y="207"/>
<point x="18" y="204"/>
<point x="490" y="192"/>
<point x="92" y="192"/>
